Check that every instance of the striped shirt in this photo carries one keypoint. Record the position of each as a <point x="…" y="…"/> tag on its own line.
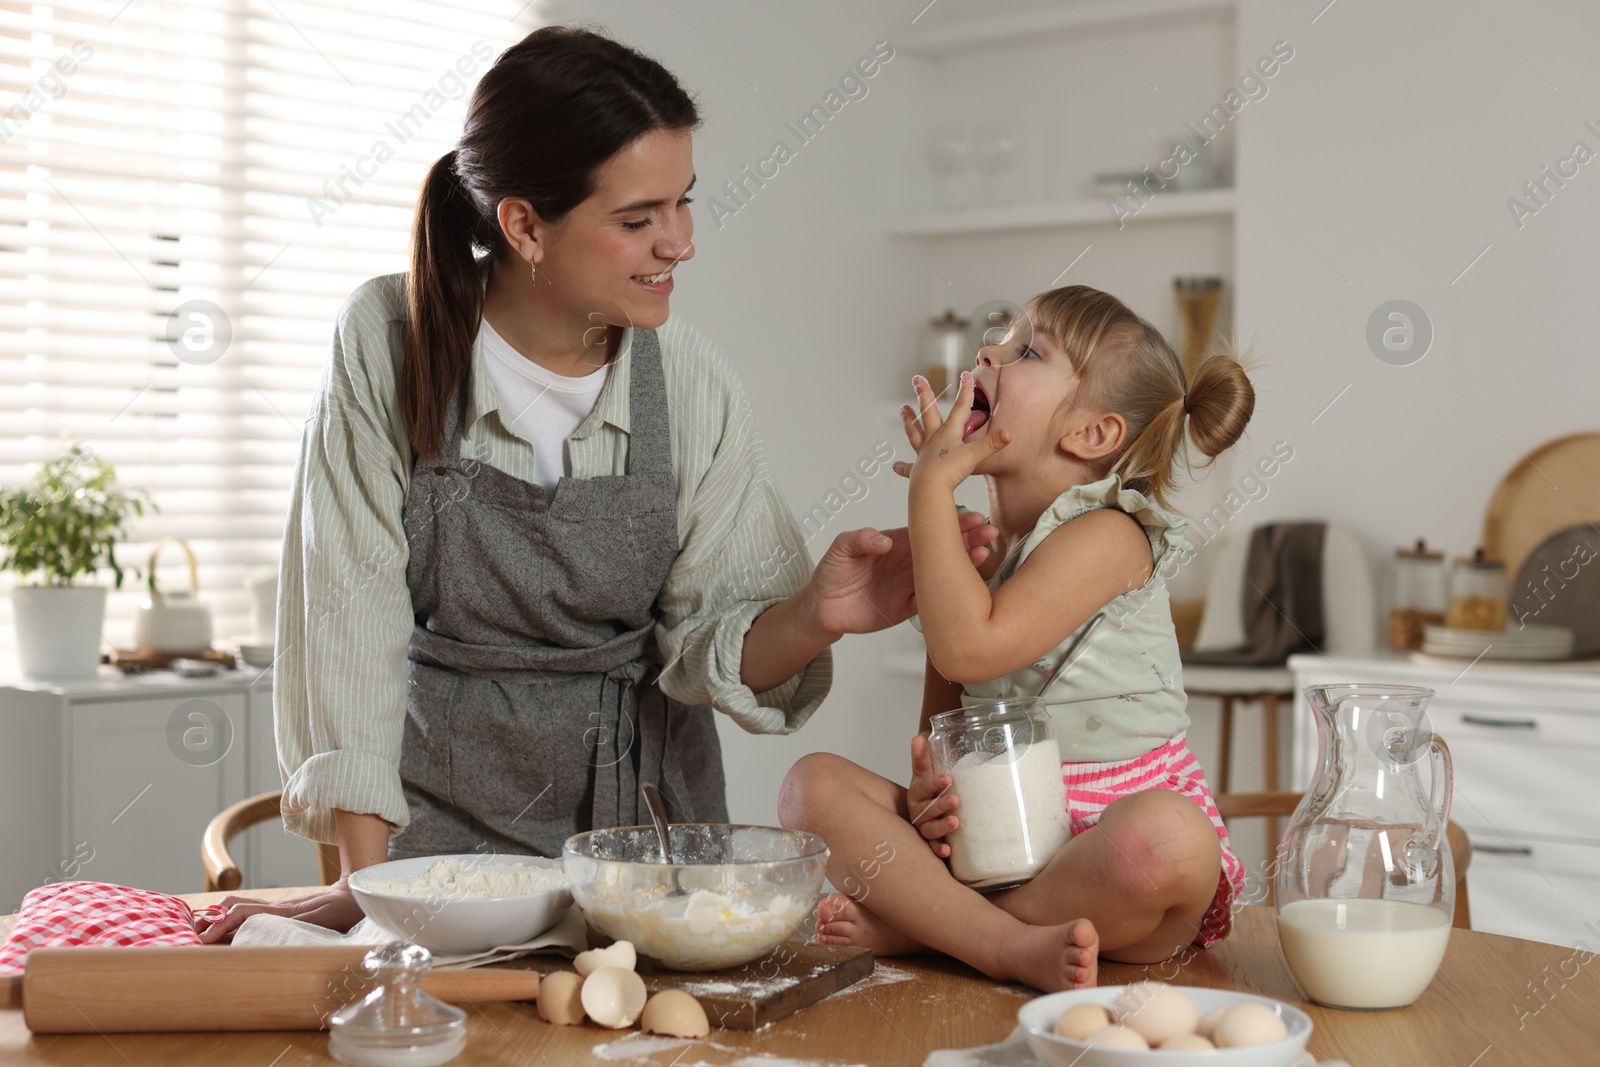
<point x="344" y="608"/>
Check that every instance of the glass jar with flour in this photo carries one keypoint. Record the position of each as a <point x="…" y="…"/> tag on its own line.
<point x="1005" y="766"/>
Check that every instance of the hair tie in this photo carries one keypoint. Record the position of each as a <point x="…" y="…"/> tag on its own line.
<point x="1183" y="379"/>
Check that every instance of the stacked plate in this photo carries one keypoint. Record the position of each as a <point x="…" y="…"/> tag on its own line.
<point x="1524" y="643"/>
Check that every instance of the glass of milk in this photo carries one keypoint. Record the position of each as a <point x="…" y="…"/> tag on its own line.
<point x="1364" y="881"/>
<point x="1006" y="768"/>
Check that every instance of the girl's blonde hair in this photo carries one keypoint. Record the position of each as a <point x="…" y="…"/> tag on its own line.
<point x="1125" y="366"/>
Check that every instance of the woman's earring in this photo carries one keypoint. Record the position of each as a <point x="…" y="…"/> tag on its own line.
<point x="533" y="275"/>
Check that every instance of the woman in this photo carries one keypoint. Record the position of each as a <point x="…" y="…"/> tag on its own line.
<point x="533" y="537"/>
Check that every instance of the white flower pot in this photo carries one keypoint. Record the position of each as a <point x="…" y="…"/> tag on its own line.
<point x="58" y="629"/>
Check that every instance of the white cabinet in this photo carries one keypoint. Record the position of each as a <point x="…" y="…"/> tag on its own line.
<point x="1525" y="743"/>
<point x="138" y="802"/>
<point x="115" y="778"/>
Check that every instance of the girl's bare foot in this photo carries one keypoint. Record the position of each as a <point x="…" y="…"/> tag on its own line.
<point x="843" y="921"/>
<point x="1053" y="958"/>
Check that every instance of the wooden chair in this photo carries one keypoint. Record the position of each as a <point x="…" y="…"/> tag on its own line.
<point x="222" y="873"/>
<point x="1245" y="805"/>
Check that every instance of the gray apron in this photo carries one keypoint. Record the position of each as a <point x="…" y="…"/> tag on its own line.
<point x="533" y="711"/>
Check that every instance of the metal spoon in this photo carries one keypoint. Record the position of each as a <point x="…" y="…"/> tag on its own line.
<point x="1072" y="650"/>
<point x="658" y="815"/>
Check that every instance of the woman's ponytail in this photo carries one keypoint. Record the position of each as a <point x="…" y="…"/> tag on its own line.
<point x="444" y="301"/>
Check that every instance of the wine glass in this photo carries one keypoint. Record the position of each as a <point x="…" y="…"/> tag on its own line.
<point x="949" y="156"/>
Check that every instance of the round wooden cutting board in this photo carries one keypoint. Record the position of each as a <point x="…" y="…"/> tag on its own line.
<point x="1554" y="487"/>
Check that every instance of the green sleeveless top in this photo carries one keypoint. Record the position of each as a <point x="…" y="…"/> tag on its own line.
<point x="1123" y="695"/>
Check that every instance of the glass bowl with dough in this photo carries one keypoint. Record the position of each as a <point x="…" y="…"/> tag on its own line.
<point x="732" y="894"/>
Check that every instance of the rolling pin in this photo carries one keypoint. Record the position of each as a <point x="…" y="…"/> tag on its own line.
<point x="90" y="989"/>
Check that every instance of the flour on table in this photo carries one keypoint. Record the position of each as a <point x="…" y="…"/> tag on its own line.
<point x="664" y="1051"/>
<point x="882" y="974"/>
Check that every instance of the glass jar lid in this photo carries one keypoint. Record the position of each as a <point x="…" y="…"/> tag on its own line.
<point x="1479" y="562"/>
<point x="1421" y="552"/>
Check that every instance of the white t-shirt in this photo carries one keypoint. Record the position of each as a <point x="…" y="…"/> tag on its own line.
<point x="540" y="406"/>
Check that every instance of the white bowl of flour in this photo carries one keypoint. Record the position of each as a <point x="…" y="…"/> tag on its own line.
<point x="464" y="903"/>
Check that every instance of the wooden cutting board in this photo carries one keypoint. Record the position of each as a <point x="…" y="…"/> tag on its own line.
<point x="1555" y="486"/>
<point x="795" y="975"/>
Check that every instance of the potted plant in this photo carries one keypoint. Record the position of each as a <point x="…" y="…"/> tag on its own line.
<point x="61" y="528"/>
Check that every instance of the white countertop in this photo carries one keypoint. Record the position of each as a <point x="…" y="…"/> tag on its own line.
<point x="111" y="682"/>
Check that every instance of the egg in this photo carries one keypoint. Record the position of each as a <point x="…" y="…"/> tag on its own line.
<point x="674" y="1013"/>
<point x="1208" y="1021"/>
<point x="613" y="996"/>
<point x="1081" y="1020"/>
<point x="559" y="1001"/>
<point x="1186" y="1043"/>
<point x="1249" y="1023"/>
<point x="620" y="954"/>
<point x="1156" y="1010"/>
<point x="1117" y="1037"/>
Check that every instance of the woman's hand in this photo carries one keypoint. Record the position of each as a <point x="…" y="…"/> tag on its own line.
<point x="363" y="840"/>
<point x="332" y="906"/>
<point x="929" y="801"/>
<point x="863" y="582"/>
<point x="943" y="459"/>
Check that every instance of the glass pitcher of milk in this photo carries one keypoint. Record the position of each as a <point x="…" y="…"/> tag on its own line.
<point x="1005" y="766"/>
<point x="1365" y="885"/>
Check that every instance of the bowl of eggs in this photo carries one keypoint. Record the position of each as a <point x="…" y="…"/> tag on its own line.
<point x="1151" y="1023"/>
<point x="731" y="895"/>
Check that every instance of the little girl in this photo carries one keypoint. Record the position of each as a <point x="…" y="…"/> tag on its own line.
<point x="1075" y="420"/>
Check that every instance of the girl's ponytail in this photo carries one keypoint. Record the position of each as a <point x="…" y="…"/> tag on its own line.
<point x="1221" y="402"/>
<point x="444" y="301"/>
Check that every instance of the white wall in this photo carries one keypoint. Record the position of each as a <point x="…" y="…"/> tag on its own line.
<point x="1377" y="167"/>
<point x="805" y="294"/>
<point x="1382" y="164"/>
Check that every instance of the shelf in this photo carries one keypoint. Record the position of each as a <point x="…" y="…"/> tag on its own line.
<point x="1089" y="211"/>
<point x="952" y="38"/>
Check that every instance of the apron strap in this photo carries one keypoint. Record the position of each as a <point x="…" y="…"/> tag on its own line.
<point x="629" y="750"/>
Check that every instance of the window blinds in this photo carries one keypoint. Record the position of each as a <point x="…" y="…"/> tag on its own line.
<point x="188" y="191"/>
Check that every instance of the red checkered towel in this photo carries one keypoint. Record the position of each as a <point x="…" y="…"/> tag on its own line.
<point x="95" y="913"/>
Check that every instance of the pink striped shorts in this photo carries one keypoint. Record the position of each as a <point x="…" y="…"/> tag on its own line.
<point x="1093" y="786"/>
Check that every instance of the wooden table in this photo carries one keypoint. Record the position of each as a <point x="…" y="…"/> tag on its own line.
<point x="1481" y="1011"/>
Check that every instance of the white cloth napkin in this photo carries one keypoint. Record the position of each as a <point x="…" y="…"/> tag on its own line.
<point x="568" y="937"/>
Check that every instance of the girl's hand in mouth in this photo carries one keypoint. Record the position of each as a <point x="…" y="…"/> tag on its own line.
<point x="948" y="449"/>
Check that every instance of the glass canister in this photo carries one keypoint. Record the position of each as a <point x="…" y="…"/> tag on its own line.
<point x="1005" y="766"/>
<point x="944" y="352"/>
<point x="1478" y="594"/>
<point x="1421" y="594"/>
<point x="1365" y="883"/>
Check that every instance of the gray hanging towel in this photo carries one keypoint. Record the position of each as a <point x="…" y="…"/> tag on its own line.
<point x="1281" y="600"/>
